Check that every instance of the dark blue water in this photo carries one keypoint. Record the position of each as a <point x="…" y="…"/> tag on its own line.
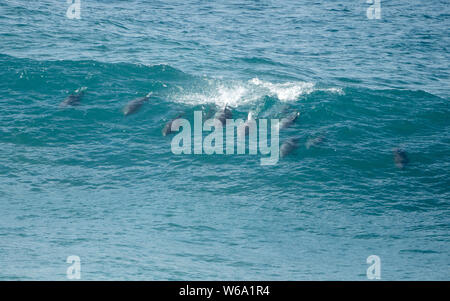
<point x="91" y="182"/>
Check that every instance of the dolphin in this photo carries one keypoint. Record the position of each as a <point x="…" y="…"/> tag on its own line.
<point x="288" y="146"/>
<point x="74" y="98"/>
<point x="134" y="105"/>
<point x="208" y="112"/>
<point x="288" y="121"/>
<point x="223" y="115"/>
<point x="168" y="127"/>
<point x="400" y="158"/>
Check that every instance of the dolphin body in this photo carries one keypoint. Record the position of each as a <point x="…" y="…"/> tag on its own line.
<point x="288" y="146"/>
<point x="168" y="127"/>
<point x="134" y="105"/>
<point x="288" y="121"/>
<point x="223" y="115"/>
<point x="208" y="112"/>
<point x="400" y="158"/>
<point x="74" y="99"/>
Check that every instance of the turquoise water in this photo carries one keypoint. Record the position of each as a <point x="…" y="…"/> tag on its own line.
<point x="90" y="182"/>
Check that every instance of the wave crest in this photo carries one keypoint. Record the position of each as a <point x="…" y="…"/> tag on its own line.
<point x="237" y="93"/>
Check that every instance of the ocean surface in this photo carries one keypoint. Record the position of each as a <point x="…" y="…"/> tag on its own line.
<point x="91" y="182"/>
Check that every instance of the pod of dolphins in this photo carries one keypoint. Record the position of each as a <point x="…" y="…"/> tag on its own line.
<point x="289" y="145"/>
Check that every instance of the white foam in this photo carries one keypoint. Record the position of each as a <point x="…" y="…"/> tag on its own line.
<point x="236" y="93"/>
<point x="333" y="90"/>
<point x="289" y="91"/>
<point x="232" y="94"/>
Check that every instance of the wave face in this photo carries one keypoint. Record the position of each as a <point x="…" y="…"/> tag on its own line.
<point x="91" y="182"/>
